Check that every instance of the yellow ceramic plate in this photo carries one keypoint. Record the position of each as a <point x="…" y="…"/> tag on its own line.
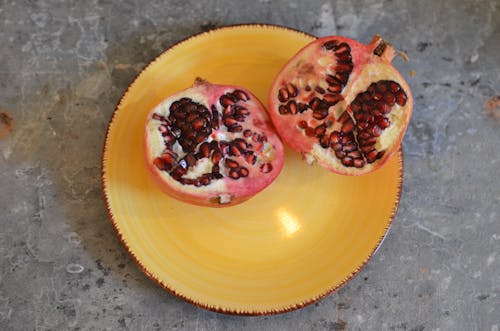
<point x="298" y="240"/>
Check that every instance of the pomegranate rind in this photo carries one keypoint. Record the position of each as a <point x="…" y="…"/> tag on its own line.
<point x="223" y="192"/>
<point x="307" y="66"/>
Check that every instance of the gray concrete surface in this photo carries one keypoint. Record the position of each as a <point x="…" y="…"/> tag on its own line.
<point x="63" y="67"/>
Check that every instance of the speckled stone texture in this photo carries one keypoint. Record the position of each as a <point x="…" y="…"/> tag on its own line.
<point x="64" y="66"/>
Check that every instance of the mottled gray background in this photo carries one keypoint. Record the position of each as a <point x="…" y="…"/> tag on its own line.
<point x="65" y="64"/>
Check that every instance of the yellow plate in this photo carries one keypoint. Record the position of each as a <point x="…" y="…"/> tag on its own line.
<point x="300" y="239"/>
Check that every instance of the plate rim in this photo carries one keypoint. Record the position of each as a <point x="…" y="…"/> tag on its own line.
<point x="220" y="309"/>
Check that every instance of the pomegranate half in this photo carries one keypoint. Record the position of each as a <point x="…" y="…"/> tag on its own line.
<point x="212" y="145"/>
<point x="342" y="104"/>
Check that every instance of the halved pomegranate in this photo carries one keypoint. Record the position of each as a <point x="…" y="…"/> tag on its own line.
<point x="212" y="145"/>
<point x="342" y="104"/>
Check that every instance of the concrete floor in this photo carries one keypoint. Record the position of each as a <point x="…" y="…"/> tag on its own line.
<point x="65" y="64"/>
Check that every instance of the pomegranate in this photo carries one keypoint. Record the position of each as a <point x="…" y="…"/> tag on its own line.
<point x="212" y="145"/>
<point x="342" y="104"/>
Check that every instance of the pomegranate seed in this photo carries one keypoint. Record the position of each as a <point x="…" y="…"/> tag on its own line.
<point x="339" y="154"/>
<point x="371" y="156"/>
<point x="364" y="135"/>
<point x="324" y="141"/>
<point x="247" y="133"/>
<point x="376" y="131"/>
<point x="389" y="98"/>
<point x="332" y="99"/>
<point x="383" y="122"/>
<point x="372" y="88"/>
<point x="266" y="167"/>
<point x="329" y="45"/>
<point x="343" y="67"/>
<point x="283" y="95"/>
<point x="282" y="110"/>
<point x="216" y="157"/>
<point x="215" y="118"/>
<point x="344" y="57"/>
<point x="335" y="137"/>
<point x="320" y="130"/>
<point x="226" y="100"/>
<point x="234" y="174"/>
<point x="349" y="147"/>
<point x="309" y="131"/>
<point x="302" y="124"/>
<point x="394" y="87"/>
<point x="401" y="98"/>
<point x="205" y="181"/>
<point x="292" y="90"/>
<point x="337" y="146"/>
<point x="355" y="107"/>
<point x="347" y="138"/>
<point x="215" y="168"/>
<point x="251" y="158"/>
<point x="302" y="107"/>
<point x="169" y="139"/>
<point x="204" y="149"/>
<point x="381" y="87"/>
<point x="292" y="106"/>
<point x="314" y="103"/>
<point x="198" y="124"/>
<point x="380" y="154"/>
<point x="235" y="128"/>
<point x="244" y="172"/>
<point x="308" y="88"/>
<point x="348" y="126"/>
<point x="334" y="88"/>
<point x="359" y="163"/>
<point x="320" y="90"/>
<point x="241" y="95"/>
<point x="344" y="117"/>
<point x="229" y="121"/>
<point x="377" y="96"/>
<point x="333" y="81"/>
<point x="354" y="154"/>
<point x="163" y="129"/>
<point x="191" y="117"/>
<point x="234" y="151"/>
<point x="158" y="117"/>
<point x="231" y="163"/>
<point x="190" y="159"/>
<point x="160" y="164"/>
<point x="320" y="114"/>
<point x="238" y="110"/>
<point x="348" y="161"/>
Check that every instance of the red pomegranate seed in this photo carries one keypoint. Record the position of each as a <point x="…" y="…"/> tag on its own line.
<point x="234" y="174"/>
<point x="334" y="88"/>
<point x="309" y="131"/>
<point x="344" y="117"/>
<point x="244" y="172"/>
<point x="231" y="163"/>
<point x="314" y="103"/>
<point x="329" y="45"/>
<point x="160" y="163"/>
<point x="347" y="139"/>
<point x="226" y="100"/>
<point x="251" y="158"/>
<point x="216" y="157"/>
<point x="347" y="126"/>
<point x="354" y="154"/>
<point x="233" y="150"/>
<point x="198" y="124"/>
<point x="401" y="98"/>
<point x="343" y="67"/>
<point x="376" y="131"/>
<point x="320" y="90"/>
<point x="335" y="137"/>
<point x="339" y="154"/>
<point x="371" y="156"/>
<point x="332" y="99"/>
<point x="247" y="133"/>
<point x="349" y="147"/>
<point x="283" y="95"/>
<point x="235" y="128"/>
<point x="292" y="90"/>
<point x="292" y="106"/>
<point x="347" y="161"/>
<point x="241" y="95"/>
<point x="320" y="130"/>
<point x="204" y="149"/>
<point x="389" y="98"/>
<point x="266" y="167"/>
<point x="337" y="146"/>
<point x="320" y="113"/>
<point x="302" y="124"/>
<point x="381" y="86"/>
<point x="383" y="122"/>
<point x="380" y="154"/>
<point x="324" y="141"/>
<point x="282" y="110"/>
<point x="169" y="139"/>
<point x="229" y="121"/>
<point x="394" y="87"/>
<point x="359" y="163"/>
<point x="302" y="107"/>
